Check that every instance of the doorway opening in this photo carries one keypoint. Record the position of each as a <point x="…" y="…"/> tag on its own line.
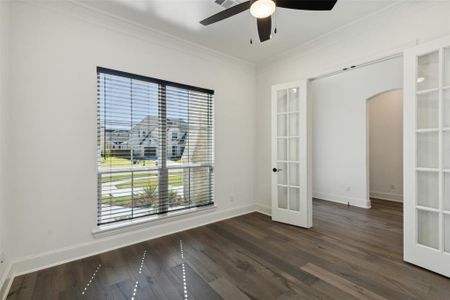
<point x="340" y="144"/>
<point x="385" y="146"/>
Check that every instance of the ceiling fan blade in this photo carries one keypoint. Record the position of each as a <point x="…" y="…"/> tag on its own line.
<point x="264" y="28"/>
<point x="307" y="4"/>
<point x="234" y="10"/>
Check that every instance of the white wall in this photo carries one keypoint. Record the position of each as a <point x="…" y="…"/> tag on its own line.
<point x="390" y="31"/>
<point x="4" y="72"/>
<point x="55" y="52"/>
<point x="340" y="129"/>
<point x="386" y="145"/>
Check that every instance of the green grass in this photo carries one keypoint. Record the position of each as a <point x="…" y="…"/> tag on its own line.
<point x="108" y="178"/>
<point x="174" y="180"/>
<point x="116" y="200"/>
<point x="117" y="162"/>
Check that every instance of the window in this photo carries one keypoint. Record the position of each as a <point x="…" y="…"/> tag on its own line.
<point x="150" y="152"/>
<point x="174" y="136"/>
<point x="141" y="179"/>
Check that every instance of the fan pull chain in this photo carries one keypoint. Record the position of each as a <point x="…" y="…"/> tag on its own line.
<point x="275" y="21"/>
<point x="250" y="29"/>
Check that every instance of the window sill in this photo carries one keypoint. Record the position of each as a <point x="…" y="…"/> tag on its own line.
<point x="132" y="225"/>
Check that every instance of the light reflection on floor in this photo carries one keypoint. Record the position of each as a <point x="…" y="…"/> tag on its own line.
<point x="184" y="271"/>
<point x="140" y="272"/>
<point x="91" y="280"/>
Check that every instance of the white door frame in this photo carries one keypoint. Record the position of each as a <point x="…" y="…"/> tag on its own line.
<point x="369" y="60"/>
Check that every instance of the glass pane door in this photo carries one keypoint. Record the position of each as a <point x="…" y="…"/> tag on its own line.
<point x="426" y="154"/>
<point x="433" y="149"/>
<point x="288" y="149"/>
<point x="291" y="155"/>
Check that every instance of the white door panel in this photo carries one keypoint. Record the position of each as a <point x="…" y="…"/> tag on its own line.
<point x="427" y="156"/>
<point x="291" y="155"/>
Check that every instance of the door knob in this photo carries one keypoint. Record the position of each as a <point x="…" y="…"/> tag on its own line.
<point x="275" y="170"/>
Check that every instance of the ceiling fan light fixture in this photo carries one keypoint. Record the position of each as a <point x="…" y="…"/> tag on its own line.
<point x="262" y="8"/>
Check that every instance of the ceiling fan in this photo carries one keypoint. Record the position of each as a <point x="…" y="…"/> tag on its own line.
<point x="262" y="10"/>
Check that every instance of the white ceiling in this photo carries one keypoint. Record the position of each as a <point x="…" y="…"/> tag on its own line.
<point x="181" y="18"/>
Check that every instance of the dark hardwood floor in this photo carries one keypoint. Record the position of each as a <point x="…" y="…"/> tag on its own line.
<point x="350" y="253"/>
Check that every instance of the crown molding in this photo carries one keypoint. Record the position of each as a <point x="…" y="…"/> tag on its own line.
<point x="342" y="33"/>
<point x="86" y="13"/>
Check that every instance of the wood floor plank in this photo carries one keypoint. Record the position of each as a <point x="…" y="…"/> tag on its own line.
<point x="341" y="283"/>
<point x="227" y="290"/>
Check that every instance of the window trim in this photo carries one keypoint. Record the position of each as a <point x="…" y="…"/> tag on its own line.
<point x="135" y="221"/>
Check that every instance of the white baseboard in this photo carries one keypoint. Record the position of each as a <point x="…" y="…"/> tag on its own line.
<point x="264" y="209"/>
<point x="359" y="202"/>
<point x="5" y="280"/>
<point x="49" y="259"/>
<point x="267" y="210"/>
<point x="387" y="196"/>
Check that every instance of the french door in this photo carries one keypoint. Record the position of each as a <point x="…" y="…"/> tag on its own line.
<point x="291" y="155"/>
<point x="427" y="156"/>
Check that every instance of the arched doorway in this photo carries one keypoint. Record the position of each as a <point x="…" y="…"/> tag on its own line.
<point x="385" y="145"/>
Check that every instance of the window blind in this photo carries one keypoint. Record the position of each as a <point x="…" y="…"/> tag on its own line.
<point x="155" y="146"/>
